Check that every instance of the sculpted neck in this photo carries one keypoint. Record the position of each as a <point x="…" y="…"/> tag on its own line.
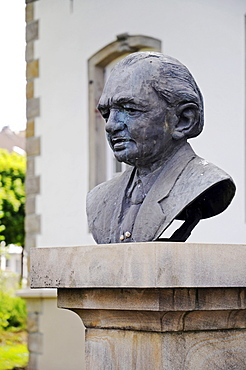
<point x="146" y="168"/>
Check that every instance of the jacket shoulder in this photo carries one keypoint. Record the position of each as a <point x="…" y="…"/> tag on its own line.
<point x="206" y="186"/>
<point x="99" y="195"/>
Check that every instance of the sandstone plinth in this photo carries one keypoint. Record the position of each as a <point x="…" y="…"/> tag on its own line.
<point x="153" y="305"/>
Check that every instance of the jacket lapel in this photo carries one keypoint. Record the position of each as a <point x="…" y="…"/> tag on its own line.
<point x="152" y="219"/>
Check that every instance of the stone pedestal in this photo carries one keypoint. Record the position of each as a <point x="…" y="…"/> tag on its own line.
<point x="153" y="305"/>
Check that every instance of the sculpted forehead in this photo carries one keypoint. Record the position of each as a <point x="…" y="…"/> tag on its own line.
<point x="135" y="80"/>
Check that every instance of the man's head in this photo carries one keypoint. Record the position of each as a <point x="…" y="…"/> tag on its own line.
<point x="151" y="105"/>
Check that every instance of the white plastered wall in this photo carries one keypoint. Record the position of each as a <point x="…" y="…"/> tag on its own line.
<point x="206" y="35"/>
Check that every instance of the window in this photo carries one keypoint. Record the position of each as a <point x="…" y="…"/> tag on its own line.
<point x="102" y="165"/>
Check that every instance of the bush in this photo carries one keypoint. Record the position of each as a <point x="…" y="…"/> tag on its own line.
<point x="12" y="197"/>
<point x="12" y="312"/>
<point x="13" y="357"/>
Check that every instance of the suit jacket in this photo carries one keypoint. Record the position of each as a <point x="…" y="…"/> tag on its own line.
<point x="186" y="180"/>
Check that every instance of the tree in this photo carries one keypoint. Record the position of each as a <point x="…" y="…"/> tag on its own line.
<point x="12" y="197"/>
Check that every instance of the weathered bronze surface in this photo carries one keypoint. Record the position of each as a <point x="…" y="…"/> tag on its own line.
<point x="152" y="106"/>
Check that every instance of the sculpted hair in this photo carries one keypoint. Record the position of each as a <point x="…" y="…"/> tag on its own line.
<point x="173" y="82"/>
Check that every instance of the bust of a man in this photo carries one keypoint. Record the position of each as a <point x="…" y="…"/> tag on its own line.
<point x="152" y="105"/>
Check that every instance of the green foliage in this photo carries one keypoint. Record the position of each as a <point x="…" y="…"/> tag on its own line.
<point x="12" y="312"/>
<point x="13" y="356"/>
<point x="12" y="197"/>
<point x="13" y="339"/>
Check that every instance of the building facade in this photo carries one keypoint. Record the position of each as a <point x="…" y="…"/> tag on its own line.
<point x="70" y="47"/>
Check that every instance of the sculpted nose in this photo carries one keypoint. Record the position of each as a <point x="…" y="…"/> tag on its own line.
<point x="115" y="122"/>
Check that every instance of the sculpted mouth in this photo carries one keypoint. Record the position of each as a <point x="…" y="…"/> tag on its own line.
<point x="119" y="143"/>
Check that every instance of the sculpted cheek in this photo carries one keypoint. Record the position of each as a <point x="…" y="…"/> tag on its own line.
<point x="153" y="132"/>
<point x="122" y="117"/>
<point x="136" y="128"/>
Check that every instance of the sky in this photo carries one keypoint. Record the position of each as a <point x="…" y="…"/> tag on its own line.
<point x="12" y="64"/>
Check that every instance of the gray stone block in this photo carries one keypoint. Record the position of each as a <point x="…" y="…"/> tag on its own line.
<point x="30" y="171"/>
<point x="30" y="242"/>
<point x="32" y="29"/>
<point x="33" y="146"/>
<point x="32" y="224"/>
<point x="33" y="361"/>
<point x="33" y="108"/>
<point x="33" y="322"/>
<point x="30" y="204"/>
<point x="29" y="51"/>
<point x="32" y="185"/>
<point x="35" y="342"/>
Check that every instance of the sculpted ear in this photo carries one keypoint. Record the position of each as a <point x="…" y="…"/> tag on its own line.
<point x="188" y="118"/>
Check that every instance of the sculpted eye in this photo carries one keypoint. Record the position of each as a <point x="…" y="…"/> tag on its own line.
<point x="104" y="110"/>
<point x="105" y="114"/>
<point x="131" y="110"/>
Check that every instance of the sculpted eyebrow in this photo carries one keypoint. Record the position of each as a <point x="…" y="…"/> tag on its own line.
<point x="123" y="100"/>
<point x="119" y="101"/>
<point x="101" y="107"/>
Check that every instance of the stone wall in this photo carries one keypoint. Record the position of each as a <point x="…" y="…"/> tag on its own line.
<point x="32" y="142"/>
<point x="47" y="346"/>
<point x="32" y="220"/>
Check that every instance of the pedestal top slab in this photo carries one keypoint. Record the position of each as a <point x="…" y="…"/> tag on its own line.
<point x="139" y="265"/>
